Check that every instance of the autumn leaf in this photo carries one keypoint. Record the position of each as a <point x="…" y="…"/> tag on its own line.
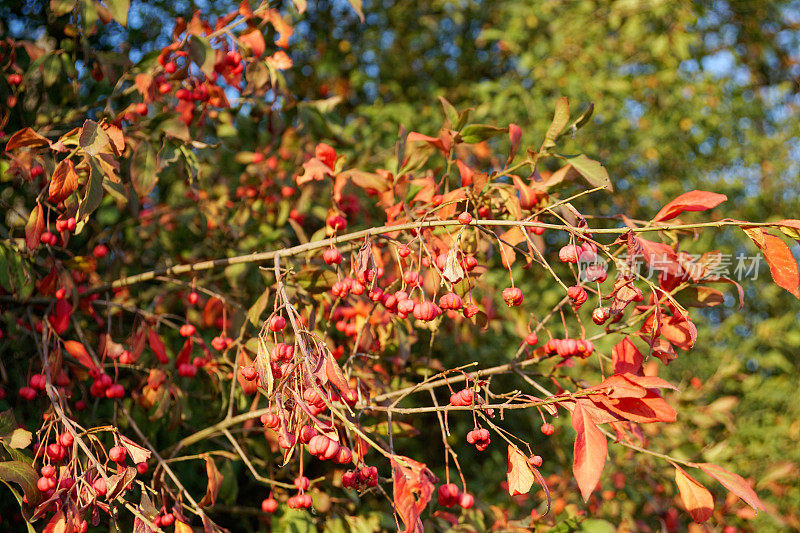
<point x="695" y="497"/>
<point x="254" y="40"/>
<point x="626" y="358"/>
<point x="689" y="201"/>
<point x="34" y="227"/>
<point x="782" y="264"/>
<point x="157" y="345"/>
<point x="734" y="483"/>
<point x="78" y="352"/>
<point x="590" y="451"/>
<point x="433" y="141"/>
<point x="413" y="486"/>
<point x="64" y="181"/>
<point x="26" y="137"/>
<point x="214" y="482"/>
<point x="518" y="474"/>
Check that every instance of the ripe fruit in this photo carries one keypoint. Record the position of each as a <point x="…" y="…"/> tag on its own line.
<point x="100" y="486"/>
<point x="535" y="460"/>
<point x="448" y="494"/>
<point x="531" y="339"/>
<point x="301" y="483"/>
<point x="48" y="471"/>
<point x="141" y="109"/>
<point x="55" y="452"/>
<point x="193" y="298"/>
<point x="336" y="222"/>
<point x="464" y="218"/>
<point x="569" y="254"/>
<point x="269" y="505"/>
<point x="61" y="293"/>
<point x="548" y="429"/>
<point x="512" y="296"/>
<point x="27" y="393"/>
<point x="14" y="79"/>
<point x="187" y="370"/>
<point x="248" y="372"/>
<point x="471" y="310"/>
<point x="187" y="330"/>
<point x="100" y="251"/>
<point x="66" y="439"/>
<point x="480" y="438"/>
<point x="466" y="500"/>
<point x="577" y="294"/>
<point x="403" y="250"/>
<point x="141" y="468"/>
<point x="332" y="256"/>
<point x="600" y="315"/>
<point x="117" y="454"/>
<point x="276" y="323"/>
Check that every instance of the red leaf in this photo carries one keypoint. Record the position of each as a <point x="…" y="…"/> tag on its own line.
<point x="465" y="172"/>
<point x="413" y="487"/>
<point x="64" y="181"/>
<point x="157" y="345"/>
<point x="690" y="201"/>
<point x="626" y="358"/>
<point x="734" y="483"/>
<point x="659" y="257"/>
<point x="183" y="355"/>
<point x="519" y="475"/>
<point x="78" y="352"/>
<point x="782" y="264"/>
<point x="26" y="137"/>
<point x="650" y="408"/>
<point x="314" y="170"/>
<point x="695" y="497"/>
<point x="254" y="40"/>
<point x="34" y="227"/>
<point x="433" y="141"/>
<point x="514" y="135"/>
<point x="590" y="451"/>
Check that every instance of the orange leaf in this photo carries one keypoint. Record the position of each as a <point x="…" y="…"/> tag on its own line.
<point x="280" y="60"/>
<point x="590" y="451"/>
<point x="690" y="201"/>
<point x="78" y="352"/>
<point x="34" y="227"/>
<point x="734" y="483"/>
<point x="26" y="137"/>
<point x="782" y="264"/>
<point x="695" y="497"/>
<point x="214" y="482"/>
<point x="465" y="172"/>
<point x="182" y="527"/>
<point x="413" y="488"/>
<point x="254" y="40"/>
<point x="519" y="474"/>
<point x="64" y="181"/>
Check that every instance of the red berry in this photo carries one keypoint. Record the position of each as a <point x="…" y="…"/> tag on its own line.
<point x="531" y="339"/>
<point x="535" y="460"/>
<point x="170" y="68"/>
<point x="512" y="296"/>
<point x="276" y="323"/>
<point x="14" y="79"/>
<point x="466" y="500"/>
<point x="100" y="251"/>
<point x="141" y="109"/>
<point x="66" y="439"/>
<point x="269" y="505"/>
<point x="600" y="315"/>
<point x="301" y="483"/>
<point x="187" y="330"/>
<point x="464" y="218"/>
<point x="336" y="222"/>
<point x="168" y="519"/>
<point x="332" y="256"/>
<point x="403" y="250"/>
<point x="548" y="429"/>
<point x="193" y="298"/>
<point x="141" y="468"/>
<point x="48" y="471"/>
<point x="100" y="486"/>
<point x="117" y="454"/>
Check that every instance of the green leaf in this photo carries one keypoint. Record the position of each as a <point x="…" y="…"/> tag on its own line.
<point x="143" y="169"/>
<point x="579" y="122"/>
<point x="51" y="69"/>
<point x="60" y="8"/>
<point x="92" y="138"/>
<point x="255" y="312"/>
<point x="595" y="173"/>
<point x="560" y="120"/>
<point x="94" y="191"/>
<point x="25" y="476"/>
<point x="202" y="54"/>
<point x="119" y="10"/>
<point x="25" y="512"/>
<point x="316" y="280"/>
<point x="475" y="133"/>
<point x="449" y="111"/>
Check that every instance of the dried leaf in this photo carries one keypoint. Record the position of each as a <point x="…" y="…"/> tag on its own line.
<point x="26" y="137"/>
<point x="413" y="486"/>
<point x="519" y="475"/>
<point x="214" y="482"/>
